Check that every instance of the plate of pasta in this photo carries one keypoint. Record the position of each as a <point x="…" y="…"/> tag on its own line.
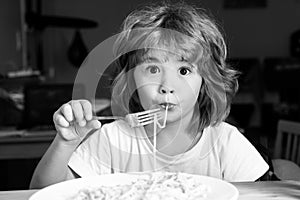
<point x="148" y="186"/>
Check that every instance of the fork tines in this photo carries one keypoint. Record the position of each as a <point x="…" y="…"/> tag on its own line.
<point x="143" y="118"/>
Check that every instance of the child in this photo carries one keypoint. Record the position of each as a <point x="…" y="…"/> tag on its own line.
<point x="172" y="57"/>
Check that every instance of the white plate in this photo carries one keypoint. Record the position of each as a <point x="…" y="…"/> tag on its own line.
<point x="220" y="190"/>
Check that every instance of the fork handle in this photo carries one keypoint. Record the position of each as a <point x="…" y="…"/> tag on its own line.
<point x="106" y="117"/>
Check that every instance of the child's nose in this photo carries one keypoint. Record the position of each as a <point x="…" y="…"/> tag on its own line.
<point x="165" y="90"/>
<point x="167" y="81"/>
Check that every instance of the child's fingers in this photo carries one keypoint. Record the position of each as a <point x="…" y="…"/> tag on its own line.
<point x="78" y="113"/>
<point x="94" y="124"/>
<point x="60" y="120"/>
<point x="87" y="109"/>
<point x="67" y="112"/>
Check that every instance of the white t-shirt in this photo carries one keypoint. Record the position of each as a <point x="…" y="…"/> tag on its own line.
<point x="222" y="152"/>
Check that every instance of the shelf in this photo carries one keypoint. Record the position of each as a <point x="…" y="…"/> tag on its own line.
<point x="42" y="21"/>
<point x="17" y="84"/>
<point x="19" y="80"/>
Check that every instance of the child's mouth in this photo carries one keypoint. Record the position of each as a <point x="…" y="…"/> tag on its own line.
<point x="168" y="106"/>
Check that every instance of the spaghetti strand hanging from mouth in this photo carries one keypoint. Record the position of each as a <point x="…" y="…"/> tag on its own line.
<point x="166" y="115"/>
<point x="165" y="119"/>
<point x="156" y="122"/>
<point x="154" y="142"/>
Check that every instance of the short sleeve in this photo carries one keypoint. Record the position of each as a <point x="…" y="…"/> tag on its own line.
<point x="240" y="160"/>
<point x="92" y="157"/>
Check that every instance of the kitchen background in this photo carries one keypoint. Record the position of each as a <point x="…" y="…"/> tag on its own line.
<point x="45" y="42"/>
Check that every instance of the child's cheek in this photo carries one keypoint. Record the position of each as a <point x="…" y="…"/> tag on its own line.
<point x="147" y="93"/>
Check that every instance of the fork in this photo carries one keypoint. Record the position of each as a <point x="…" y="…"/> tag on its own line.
<point x="136" y="119"/>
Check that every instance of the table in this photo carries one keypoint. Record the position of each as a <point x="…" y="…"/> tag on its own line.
<point x="280" y="190"/>
<point x="21" y="149"/>
<point x="24" y="144"/>
<point x="264" y="190"/>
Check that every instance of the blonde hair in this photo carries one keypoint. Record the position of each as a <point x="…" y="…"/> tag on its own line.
<point x="192" y="33"/>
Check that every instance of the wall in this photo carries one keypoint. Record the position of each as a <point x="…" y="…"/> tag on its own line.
<point x="262" y="32"/>
<point x="250" y="32"/>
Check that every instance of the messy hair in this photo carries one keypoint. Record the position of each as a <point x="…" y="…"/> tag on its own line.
<point x="188" y="31"/>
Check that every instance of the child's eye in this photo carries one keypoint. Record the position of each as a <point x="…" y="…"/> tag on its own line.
<point x="153" y="69"/>
<point x="185" y="70"/>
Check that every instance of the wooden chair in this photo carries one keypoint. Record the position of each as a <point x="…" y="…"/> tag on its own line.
<point x="287" y="144"/>
<point x="287" y="151"/>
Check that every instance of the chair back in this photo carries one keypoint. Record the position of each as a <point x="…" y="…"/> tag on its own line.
<point x="287" y="144"/>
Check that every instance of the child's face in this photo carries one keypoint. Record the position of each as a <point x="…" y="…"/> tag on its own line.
<point x="167" y="78"/>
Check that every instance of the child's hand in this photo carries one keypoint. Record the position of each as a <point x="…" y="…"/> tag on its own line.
<point x="74" y="120"/>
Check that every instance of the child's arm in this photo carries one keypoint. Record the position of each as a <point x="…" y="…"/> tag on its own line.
<point x="72" y="122"/>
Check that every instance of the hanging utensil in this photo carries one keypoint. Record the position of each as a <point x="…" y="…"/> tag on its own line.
<point x="77" y="52"/>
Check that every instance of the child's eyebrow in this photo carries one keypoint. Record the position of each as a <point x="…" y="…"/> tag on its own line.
<point x="183" y="59"/>
<point x="154" y="59"/>
<point x="150" y="60"/>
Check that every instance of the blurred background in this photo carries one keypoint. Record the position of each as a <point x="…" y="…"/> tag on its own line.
<point x="43" y="43"/>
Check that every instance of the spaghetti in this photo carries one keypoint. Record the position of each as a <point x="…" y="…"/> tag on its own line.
<point x="155" y="124"/>
<point x="159" y="185"/>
